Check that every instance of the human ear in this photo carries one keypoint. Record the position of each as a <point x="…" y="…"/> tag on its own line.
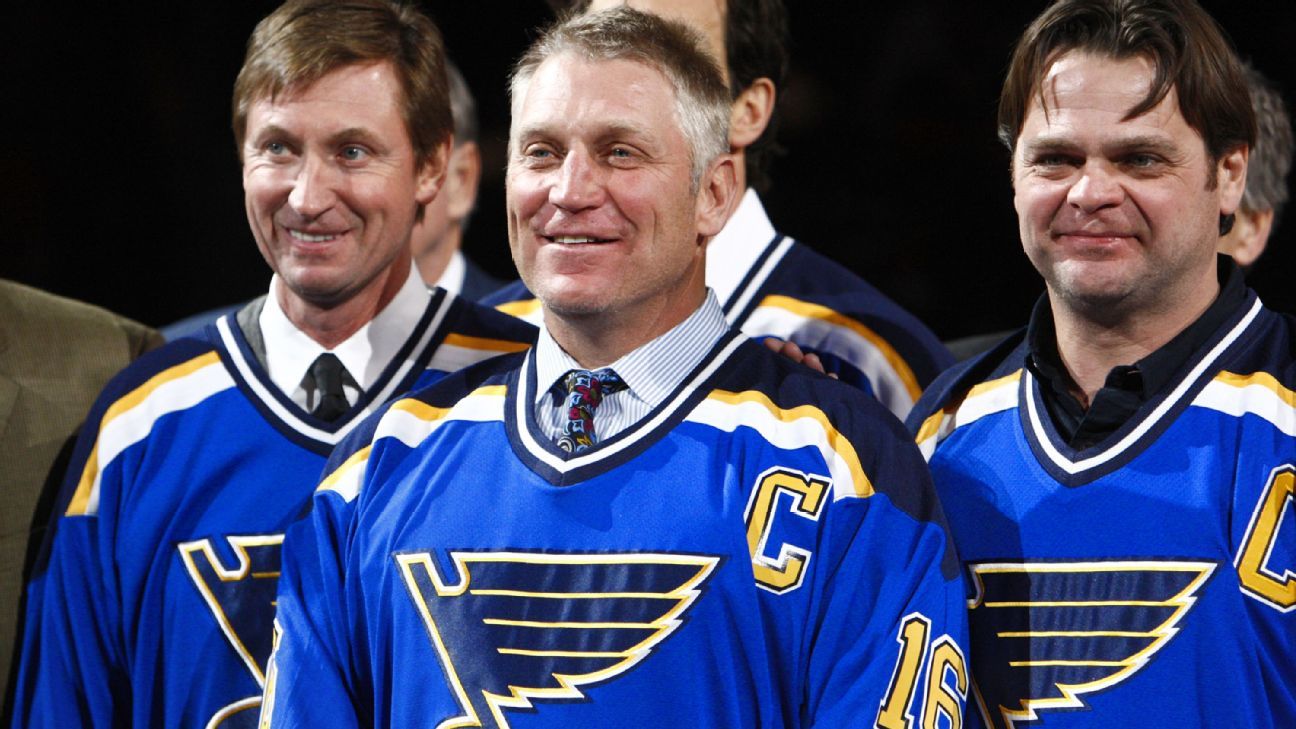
<point x="750" y="113"/>
<point x="462" y="178"/>
<point x="1230" y="175"/>
<point x="716" y="195"/>
<point x="431" y="174"/>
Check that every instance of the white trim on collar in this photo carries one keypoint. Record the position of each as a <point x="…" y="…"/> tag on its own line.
<point x="1041" y="433"/>
<point x="365" y="354"/>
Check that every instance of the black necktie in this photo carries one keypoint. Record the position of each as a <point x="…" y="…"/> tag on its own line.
<point x="330" y="401"/>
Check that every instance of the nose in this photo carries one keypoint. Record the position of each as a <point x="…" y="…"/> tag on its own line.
<point x="314" y="189"/>
<point x="1097" y="188"/>
<point x="578" y="184"/>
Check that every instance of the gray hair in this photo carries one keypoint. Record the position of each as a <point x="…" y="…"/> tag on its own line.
<point x="673" y="49"/>
<point x="1271" y="157"/>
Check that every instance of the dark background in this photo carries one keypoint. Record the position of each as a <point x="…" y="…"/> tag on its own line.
<point x="121" y="186"/>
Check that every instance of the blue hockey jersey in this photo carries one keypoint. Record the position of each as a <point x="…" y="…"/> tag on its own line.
<point x="156" y="607"/>
<point x="764" y="549"/>
<point x="773" y="286"/>
<point x="1149" y="580"/>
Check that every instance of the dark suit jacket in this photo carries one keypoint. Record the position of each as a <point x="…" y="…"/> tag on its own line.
<point x="55" y="356"/>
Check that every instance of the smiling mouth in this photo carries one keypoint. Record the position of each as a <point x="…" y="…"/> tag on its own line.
<point x="1088" y="236"/>
<point x="576" y="239"/>
<point x="310" y="237"/>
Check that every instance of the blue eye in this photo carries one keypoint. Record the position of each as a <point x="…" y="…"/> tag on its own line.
<point x="276" y="148"/>
<point x="353" y="153"/>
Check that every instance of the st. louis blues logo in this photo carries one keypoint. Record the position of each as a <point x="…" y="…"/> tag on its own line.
<point x="1045" y="634"/>
<point x="241" y="598"/>
<point x="517" y="626"/>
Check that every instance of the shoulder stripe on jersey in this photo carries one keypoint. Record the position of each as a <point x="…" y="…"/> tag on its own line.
<point x="1258" y="394"/>
<point x="798" y="427"/>
<point x="872" y="354"/>
<point x="981" y="400"/>
<point x="458" y="351"/>
<point x="1137" y="433"/>
<point x="527" y="310"/>
<point x="411" y="421"/>
<point x="738" y="304"/>
<point x="496" y="346"/>
<point x="129" y="419"/>
<point x="345" y="479"/>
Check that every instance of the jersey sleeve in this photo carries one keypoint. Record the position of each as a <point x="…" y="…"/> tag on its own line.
<point x="71" y="670"/>
<point x="891" y="636"/>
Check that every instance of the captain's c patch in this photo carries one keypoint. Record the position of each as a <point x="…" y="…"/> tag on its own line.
<point x="1050" y="632"/>
<point x="514" y="626"/>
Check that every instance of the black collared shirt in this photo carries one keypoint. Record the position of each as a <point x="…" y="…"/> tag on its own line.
<point x="1127" y="387"/>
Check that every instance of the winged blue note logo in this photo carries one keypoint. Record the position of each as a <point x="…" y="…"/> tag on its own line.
<point x="517" y="626"/>
<point x="241" y="597"/>
<point x="1050" y="632"/>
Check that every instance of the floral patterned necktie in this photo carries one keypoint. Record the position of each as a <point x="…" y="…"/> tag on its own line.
<point x="585" y="391"/>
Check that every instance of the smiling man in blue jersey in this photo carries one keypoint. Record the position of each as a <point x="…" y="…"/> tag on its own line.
<point x="768" y="284"/>
<point x="155" y="606"/>
<point x="1119" y="476"/>
<point x="647" y="520"/>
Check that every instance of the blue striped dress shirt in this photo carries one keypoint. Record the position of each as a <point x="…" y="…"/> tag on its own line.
<point x="651" y="372"/>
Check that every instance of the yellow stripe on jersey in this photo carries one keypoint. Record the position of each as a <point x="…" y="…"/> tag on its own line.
<point x="983" y="399"/>
<point x="410" y="421"/>
<point x="345" y="479"/>
<point x="843" y="461"/>
<point x="81" y="498"/>
<point x="522" y="309"/>
<point x="815" y="311"/>
<point x="1257" y="393"/>
<point x="481" y="343"/>
<point x="420" y="409"/>
<point x="1263" y="379"/>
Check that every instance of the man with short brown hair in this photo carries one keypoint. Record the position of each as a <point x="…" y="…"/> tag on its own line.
<point x="156" y="605"/>
<point x="1119" y="476"/>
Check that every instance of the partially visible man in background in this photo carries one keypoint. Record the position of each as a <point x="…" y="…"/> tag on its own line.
<point x="769" y="284"/>
<point x="1266" y="185"/>
<point x="437" y="240"/>
<point x="55" y="356"/>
